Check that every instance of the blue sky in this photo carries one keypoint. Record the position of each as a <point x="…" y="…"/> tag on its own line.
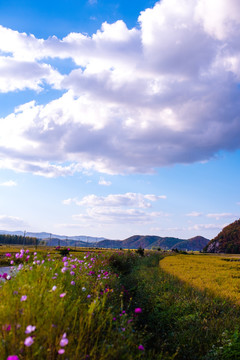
<point x="120" y="118"/>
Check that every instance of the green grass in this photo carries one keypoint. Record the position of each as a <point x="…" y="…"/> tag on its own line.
<point x="97" y="312"/>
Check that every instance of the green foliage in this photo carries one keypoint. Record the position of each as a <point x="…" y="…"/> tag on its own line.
<point x="140" y="251"/>
<point x="64" y="252"/>
<point x="176" y="319"/>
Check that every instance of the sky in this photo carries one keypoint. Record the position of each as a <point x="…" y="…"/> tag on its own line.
<point x="120" y="117"/>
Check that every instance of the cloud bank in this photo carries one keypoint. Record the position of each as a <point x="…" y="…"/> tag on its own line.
<point x="163" y="93"/>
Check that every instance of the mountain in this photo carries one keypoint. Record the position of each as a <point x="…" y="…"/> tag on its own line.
<point x="134" y="242"/>
<point x="196" y="243"/>
<point x="46" y="236"/>
<point x="150" y="241"/>
<point x="227" y="241"/>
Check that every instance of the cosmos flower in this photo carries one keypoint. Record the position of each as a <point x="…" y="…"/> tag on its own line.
<point x="138" y="310"/>
<point x="28" y="341"/>
<point x="30" y="329"/>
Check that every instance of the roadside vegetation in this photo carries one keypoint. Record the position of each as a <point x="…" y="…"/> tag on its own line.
<point x="115" y="305"/>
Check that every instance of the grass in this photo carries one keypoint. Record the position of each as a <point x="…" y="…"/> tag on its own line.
<point x="87" y="311"/>
<point x="83" y="306"/>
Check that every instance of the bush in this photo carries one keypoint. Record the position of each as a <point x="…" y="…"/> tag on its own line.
<point x="140" y="251"/>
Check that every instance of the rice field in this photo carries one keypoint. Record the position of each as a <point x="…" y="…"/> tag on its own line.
<point x="219" y="275"/>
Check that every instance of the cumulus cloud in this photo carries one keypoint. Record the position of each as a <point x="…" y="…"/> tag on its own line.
<point x="116" y="215"/>
<point x="166" y="92"/>
<point x="11" y="222"/>
<point x="116" y="200"/>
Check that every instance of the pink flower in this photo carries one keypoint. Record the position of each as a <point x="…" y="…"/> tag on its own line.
<point x="12" y="357"/>
<point x="141" y="348"/>
<point x="62" y="295"/>
<point x="28" y="341"/>
<point x="24" y="298"/>
<point x="63" y="342"/>
<point x="12" y="262"/>
<point x="61" y="351"/>
<point x="30" y="329"/>
<point x="138" y="310"/>
<point x="73" y="283"/>
<point x="54" y="288"/>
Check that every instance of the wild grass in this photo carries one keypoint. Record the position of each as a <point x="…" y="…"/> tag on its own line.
<point x="66" y="308"/>
<point x="115" y="305"/>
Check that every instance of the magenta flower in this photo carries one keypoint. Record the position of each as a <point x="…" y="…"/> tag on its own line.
<point x="62" y="295"/>
<point x="8" y="255"/>
<point x="138" y="310"/>
<point x="73" y="283"/>
<point x="61" y="351"/>
<point x="12" y="357"/>
<point x="6" y="327"/>
<point x="30" y="329"/>
<point x="12" y="262"/>
<point x="27" y="251"/>
<point x="141" y="348"/>
<point x="24" y="298"/>
<point x="28" y="341"/>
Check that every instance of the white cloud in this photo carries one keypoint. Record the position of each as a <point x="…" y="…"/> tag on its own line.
<point x="104" y="182"/>
<point x="11" y="222"/>
<point x="194" y="214"/>
<point x="200" y="227"/>
<point x="164" y="93"/>
<point x="221" y="215"/>
<point x="9" y="183"/>
<point x="111" y="214"/>
<point x="116" y="200"/>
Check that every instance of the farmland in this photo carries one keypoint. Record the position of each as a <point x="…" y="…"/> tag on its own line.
<point x="118" y="305"/>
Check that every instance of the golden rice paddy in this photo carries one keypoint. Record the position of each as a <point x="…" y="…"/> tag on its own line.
<point x="217" y="274"/>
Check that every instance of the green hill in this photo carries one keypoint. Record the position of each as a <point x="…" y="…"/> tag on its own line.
<point x="227" y="241"/>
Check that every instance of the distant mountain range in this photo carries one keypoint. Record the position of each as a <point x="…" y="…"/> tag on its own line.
<point x="45" y="236"/>
<point x="196" y="243"/>
<point x="149" y="242"/>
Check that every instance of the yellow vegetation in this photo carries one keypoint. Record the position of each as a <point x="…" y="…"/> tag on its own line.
<point x="219" y="274"/>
